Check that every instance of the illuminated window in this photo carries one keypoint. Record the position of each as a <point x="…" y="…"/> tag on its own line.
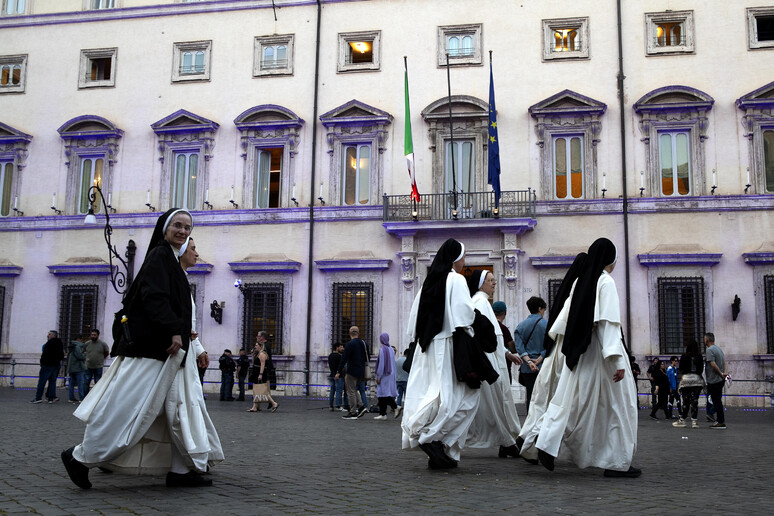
<point x="267" y="180"/>
<point x="359" y="51"/>
<point x="98" y="68"/>
<point x="191" y="61"/>
<point x="675" y="163"/>
<point x="6" y="182"/>
<point x="356" y="179"/>
<point x="184" y="180"/>
<point x="566" y="38"/>
<point x="91" y="175"/>
<point x="568" y="167"/>
<point x="13" y="71"/>
<point x="670" y="32"/>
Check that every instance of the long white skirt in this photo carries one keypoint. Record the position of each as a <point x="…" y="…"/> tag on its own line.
<point x="139" y="410"/>
<point x="496" y="422"/>
<point x="592" y="420"/>
<point x="437" y="407"/>
<point x="545" y="387"/>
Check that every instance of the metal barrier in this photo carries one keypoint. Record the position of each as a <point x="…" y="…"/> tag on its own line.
<point x="465" y="205"/>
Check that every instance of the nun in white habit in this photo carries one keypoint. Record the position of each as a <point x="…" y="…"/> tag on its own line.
<point x="591" y="419"/>
<point x="496" y="422"/>
<point x="439" y="409"/>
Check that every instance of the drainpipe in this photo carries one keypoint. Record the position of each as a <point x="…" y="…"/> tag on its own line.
<point x="621" y="108"/>
<point x="310" y="260"/>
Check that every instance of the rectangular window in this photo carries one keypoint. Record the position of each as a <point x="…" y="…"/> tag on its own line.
<point x="669" y="32"/>
<point x="768" y="158"/>
<point x="268" y="167"/>
<point x="263" y="311"/>
<point x="675" y="163"/>
<point x="356" y="181"/>
<point x="359" y="51"/>
<point x="566" y="38"/>
<point x="184" y="180"/>
<point x="13" y="70"/>
<point x="459" y="45"/>
<point x="768" y="290"/>
<point x="680" y="313"/>
<point x="102" y="4"/>
<point x="568" y="167"/>
<point x="553" y="289"/>
<point x="273" y="55"/>
<point x="461" y="42"/>
<point x="13" y="7"/>
<point x="462" y="177"/>
<point x="2" y="313"/>
<point x="98" y="68"/>
<point x="764" y="28"/>
<point x="6" y="181"/>
<point x="191" y="61"/>
<point x="760" y="27"/>
<point x="353" y="305"/>
<point x="91" y="175"/>
<point x="77" y="311"/>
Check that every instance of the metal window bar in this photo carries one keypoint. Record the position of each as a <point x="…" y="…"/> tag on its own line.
<point x="353" y="305"/>
<point x="2" y="313"/>
<point x="192" y="69"/>
<point x="553" y="289"/>
<point x="471" y="205"/>
<point x="680" y="313"/>
<point x="274" y="64"/>
<point x="768" y="289"/>
<point x="78" y="311"/>
<point x="263" y="310"/>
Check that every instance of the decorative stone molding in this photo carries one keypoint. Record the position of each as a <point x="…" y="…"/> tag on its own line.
<point x="8" y="269"/>
<point x="762" y="262"/>
<point x="353" y="261"/>
<point x="200" y="268"/>
<point x="13" y="148"/>
<point x="274" y="263"/>
<point x="686" y="43"/>
<point x="678" y="254"/>
<point x="85" y="265"/>
<point x="408" y="269"/>
<point x="758" y="108"/>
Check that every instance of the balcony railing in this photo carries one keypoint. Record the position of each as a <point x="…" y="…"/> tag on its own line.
<point x="470" y="205"/>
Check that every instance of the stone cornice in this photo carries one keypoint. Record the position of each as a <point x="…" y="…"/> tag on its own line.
<point x="517" y="226"/>
<point x="340" y="264"/>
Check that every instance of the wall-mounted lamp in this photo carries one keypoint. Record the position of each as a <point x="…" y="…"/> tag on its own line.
<point x="238" y="284"/>
<point x="736" y="306"/>
<point x="53" y="205"/>
<point x="216" y="311"/>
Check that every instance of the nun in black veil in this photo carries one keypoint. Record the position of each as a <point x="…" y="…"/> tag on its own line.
<point x="130" y="422"/>
<point x="439" y="409"/>
<point x="591" y="419"/>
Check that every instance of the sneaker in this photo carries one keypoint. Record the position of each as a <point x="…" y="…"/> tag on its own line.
<point x="36" y="401"/>
<point x="398" y="412"/>
<point x="653" y="417"/>
<point x="342" y="409"/>
<point x="694" y="423"/>
<point x="720" y="426"/>
<point x="680" y="423"/>
<point x="710" y="418"/>
<point x="362" y="411"/>
<point x="382" y="418"/>
<point x="72" y="401"/>
<point x="350" y="416"/>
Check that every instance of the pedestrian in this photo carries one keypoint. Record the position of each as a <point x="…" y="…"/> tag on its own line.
<point x="337" y="384"/>
<point x="354" y="360"/>
<point x="654" y="366"/>
<point x="528" y="337"/>
<point x="662" y="391"/>
<point x="438" y="408"/>
<point x="76" y="365"/>
<point x="691" y="384"/>
<point x="500" y="311"/>
<point x="592" y="417"/>
<point x="673" y="373"/>
<point x="716" y="374"/>
<point x="261" y="374"/>
<point x="496" y="423"/>
<point x="153" y="381"/>
<point x="243" y="367"/>
<point x="401" y="380"/>
<point x="386" y="389"/>
<point x="227" y="367"/>
<point x="636" y="372"/>
<point x="50" y="362"/>
<point x="96" y="352"/>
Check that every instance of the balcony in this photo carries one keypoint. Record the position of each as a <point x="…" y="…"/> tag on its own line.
<point x="469" y="205"/>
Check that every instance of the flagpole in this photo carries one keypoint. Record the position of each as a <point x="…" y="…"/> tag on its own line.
<point x="405" y="67"/>
<point x="451" y="140"/>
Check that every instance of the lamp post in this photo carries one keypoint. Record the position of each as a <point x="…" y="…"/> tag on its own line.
<point x="121" y="280"/>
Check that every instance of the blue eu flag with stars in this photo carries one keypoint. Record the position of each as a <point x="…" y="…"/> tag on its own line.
<point x="493" y="177"/>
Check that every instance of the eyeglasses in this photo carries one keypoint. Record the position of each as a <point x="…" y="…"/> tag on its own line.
<point x="179" y="226"/>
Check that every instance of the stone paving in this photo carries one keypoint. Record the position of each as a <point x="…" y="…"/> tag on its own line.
<point x="306" y="459"/>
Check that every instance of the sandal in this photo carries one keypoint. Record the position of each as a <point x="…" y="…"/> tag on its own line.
<point x="253" y="410"/>
<point x="275" y="407"/>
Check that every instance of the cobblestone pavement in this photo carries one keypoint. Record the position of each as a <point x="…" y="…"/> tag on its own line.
<point x="306" y="459"/>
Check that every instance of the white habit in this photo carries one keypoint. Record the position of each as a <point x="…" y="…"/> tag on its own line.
<point x="143" y="411"/>
<point x="496" y="422"/>
<point x="592" y="420"/>
<point x="437" y="407"/>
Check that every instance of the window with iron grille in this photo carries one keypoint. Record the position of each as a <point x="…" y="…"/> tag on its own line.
<point x="263" y="312"/>
<point x="77" y="311"/>
<point x="680" y="313"/>
<point x="353" y="305"/>
<point x="768" y="289"/>
<point x="553" y="289"/>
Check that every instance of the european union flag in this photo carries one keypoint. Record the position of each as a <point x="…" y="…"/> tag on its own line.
<point x="493" y="177"/>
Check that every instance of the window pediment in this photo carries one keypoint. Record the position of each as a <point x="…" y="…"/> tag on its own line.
<point x="567" y="103"/>
<point x="679" y="254"/>
<point x="10" y="135"/>
<point x="89" y="126"/>
<point x="463" y="106"/>
<point x="267" y="116"/>
<point x="674" y="98"/>
<point x="762" y="98"/>
<point x="355" y="112"/>
<point x="183" y="121"/>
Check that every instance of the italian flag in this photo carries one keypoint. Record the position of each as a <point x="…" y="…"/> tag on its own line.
<point x="408" y="148"/>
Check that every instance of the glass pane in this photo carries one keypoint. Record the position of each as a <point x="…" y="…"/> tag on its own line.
<point x="665" y="160"/>
<point x="178" y="182"/>
<point x="364" y="174"/>
<point x="466" y="167"/>
<point x="275" y="177"/>
<point x="187" y="62"/>
<point x="5" y="200"/>
<point x="467" y="45"/>
<point x="572" y="38"/>
<point x="448" y="167"/>
<point x="768" y="159"/>
<point x="560" y="167"/>
<point x="262" y="180"/>
<point x="454" y="46"/>
<point x="193" y="169"/>
<point x="676" y="31"/>
<point x="199" y="63"/>
<point x="350" y="173"/>
<point x="282" y="53"/>
<point x="683" y="165"/>
<point x="83" y="205"/>
<point x="16" y="79"/>
<point x="5" y="75"/>
<point x="576" y="168"/>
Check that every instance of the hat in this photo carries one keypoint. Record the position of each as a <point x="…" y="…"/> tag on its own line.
<point x="498" y="307"/>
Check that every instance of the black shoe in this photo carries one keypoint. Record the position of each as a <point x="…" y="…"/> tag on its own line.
<point x="350" y="416"/>
<point x="362" y="411"/>
<point x="653" y="417"/>
<point x="190" y="479"/>
<point x="519" y="443"/>
<point x="241" y="398"/>
<point x="508" y="451"/>
<point x="230" y="399"/>
<point x="78" y="473"/>
<point x="437" y="455"/>
<point x="431" y="464"/>
<point x="632" y="472"/>
<point x="546" y="460"/>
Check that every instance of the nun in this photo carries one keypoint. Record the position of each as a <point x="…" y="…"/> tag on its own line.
<point x="496" y="422"/>
<point x="591" y="419"/>
<point x="439" y="409"/>
<point x="132" y="415"/>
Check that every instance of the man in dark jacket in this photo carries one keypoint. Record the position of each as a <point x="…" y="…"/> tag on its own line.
<point x="227" y="368"/>
<point x="243" y="367"/>
<point x="354" y="360"/>
<point x="337" y="385"/>
<point x="50" y="362"/>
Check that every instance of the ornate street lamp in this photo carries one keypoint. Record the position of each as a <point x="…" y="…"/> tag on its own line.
<point x="121" y="280"/>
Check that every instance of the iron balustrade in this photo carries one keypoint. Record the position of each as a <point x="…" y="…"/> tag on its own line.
<point x="469" y="205"/>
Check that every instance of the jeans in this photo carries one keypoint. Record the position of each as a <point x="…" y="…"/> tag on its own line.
<point x="88" y="374"/>
<point x="715" y="390"/>
<point x="337" y="389"/>
<point x="76" y="379"/>
<point x="401" y="392"/>
<point x="241" y="381"/>
<point x="352" y="385"/>
<point x="226" y="386"/>
<point x="47" y="374"/>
